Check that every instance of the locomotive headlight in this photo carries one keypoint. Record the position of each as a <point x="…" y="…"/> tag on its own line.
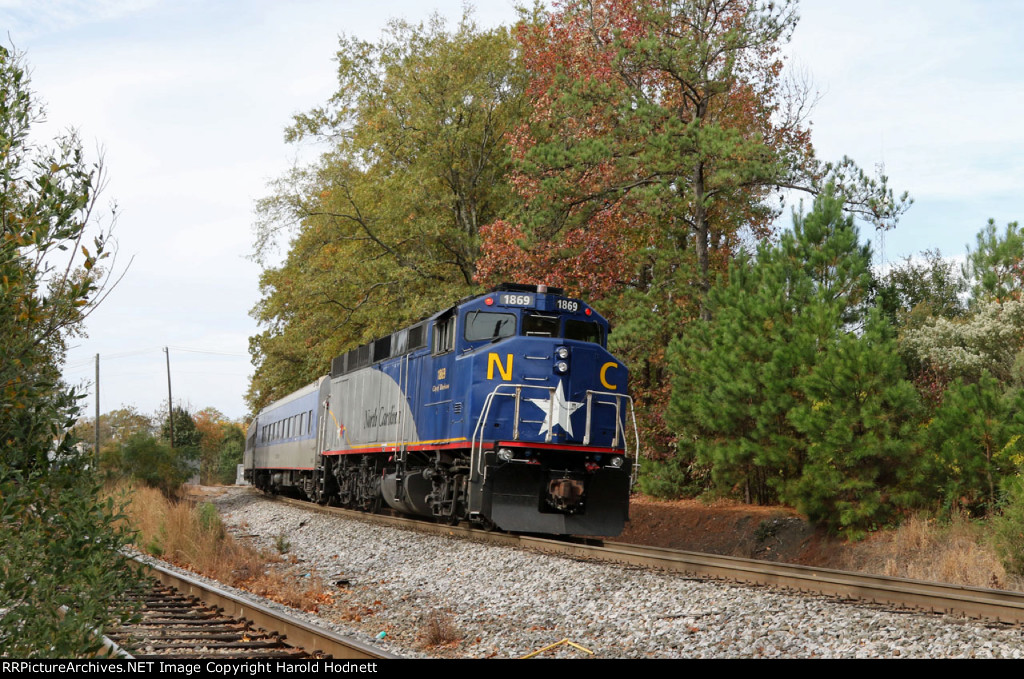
<point x="562" y="352"/>
<point x="562" y="367"/>
<point x="616" y="462"/>
<point x="504" y="454"/>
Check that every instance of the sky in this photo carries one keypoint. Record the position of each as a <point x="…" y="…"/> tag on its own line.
<point x="187" y="101"/>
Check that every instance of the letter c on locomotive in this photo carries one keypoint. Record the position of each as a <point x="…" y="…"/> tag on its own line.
<point x="604" y="370"/>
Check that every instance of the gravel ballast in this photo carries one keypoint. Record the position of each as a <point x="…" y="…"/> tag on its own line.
<point x="505" y="602"/>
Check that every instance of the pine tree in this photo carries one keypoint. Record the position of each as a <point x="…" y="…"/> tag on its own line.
<point x="857" y="415"/>
<point x="733" y="378"/>
<point x="974" y="439"/>
<point x="996" y="267"/>
<point x="795" y="390"/>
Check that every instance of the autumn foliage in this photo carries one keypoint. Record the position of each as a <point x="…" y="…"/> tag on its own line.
<point x="658" y="135"/>
<point x="654" y="125"/>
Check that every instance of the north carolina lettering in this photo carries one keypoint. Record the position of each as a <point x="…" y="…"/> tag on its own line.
<point x="381" y="417"/>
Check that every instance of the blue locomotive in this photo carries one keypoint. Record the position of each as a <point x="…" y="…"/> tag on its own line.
<point x="505" y="410"/>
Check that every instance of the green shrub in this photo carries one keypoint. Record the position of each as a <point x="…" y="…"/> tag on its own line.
<point x="153" y="462"/>
<point x="669" y="479"/>
<point x="1008" y="526"/>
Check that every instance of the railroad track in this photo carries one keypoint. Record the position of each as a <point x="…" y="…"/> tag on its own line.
<point x="185" y="618"/>
<point x="900" y="593"/>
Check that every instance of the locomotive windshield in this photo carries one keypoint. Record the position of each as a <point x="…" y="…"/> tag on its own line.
<point x="483" y="325"/>
<point x="556" y="319"/>
<point x="540" y="325"/>
<point x="546" y="325"/>
<point x="584" y="331"/>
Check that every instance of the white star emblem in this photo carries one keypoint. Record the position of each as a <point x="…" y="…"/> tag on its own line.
<point x="559" y="412"/>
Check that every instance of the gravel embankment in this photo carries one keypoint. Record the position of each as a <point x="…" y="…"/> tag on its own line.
<point x="506" y="603"/>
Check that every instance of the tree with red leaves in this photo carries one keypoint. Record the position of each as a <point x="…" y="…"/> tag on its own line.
<point x="661" y="138"/>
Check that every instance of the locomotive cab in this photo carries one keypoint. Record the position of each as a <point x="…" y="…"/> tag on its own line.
<point x="549" y="445"/>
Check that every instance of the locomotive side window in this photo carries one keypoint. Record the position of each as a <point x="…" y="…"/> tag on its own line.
<point x="444" y="334"/>
<point x="584" y="331"/>
<point x="382" y="349"/>
<point x="417" y="338"/>
<point x="482" y="325"/>
<point x="539" y="325"/>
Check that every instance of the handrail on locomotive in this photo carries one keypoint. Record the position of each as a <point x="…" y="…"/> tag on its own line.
<point x="477" y="442"/>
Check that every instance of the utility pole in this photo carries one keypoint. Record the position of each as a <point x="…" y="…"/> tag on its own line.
<point x="170" y="408"/>
<point x="96" y="450"/>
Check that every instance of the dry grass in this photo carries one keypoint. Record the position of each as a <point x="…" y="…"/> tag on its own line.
<point x="956" y="552"/>
<point x="192" y="536"/>
<point x="440" y="630"/>
<point x="285" y="587"/>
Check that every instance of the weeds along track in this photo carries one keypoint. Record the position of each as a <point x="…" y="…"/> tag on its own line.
<point x="897" y="593"/>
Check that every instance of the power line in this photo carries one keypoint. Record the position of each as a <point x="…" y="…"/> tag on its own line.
<point x="136" y="352"/>
<point x="216" y="353"/>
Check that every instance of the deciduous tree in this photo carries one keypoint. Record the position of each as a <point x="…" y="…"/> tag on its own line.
<point x="917" y="289"/>
<point x="115" y="426"/>
<point x="59" y="541"/>
<point x="218" y="446"/>
<point x="386" y="225"/>
<point x="989" y="340"/>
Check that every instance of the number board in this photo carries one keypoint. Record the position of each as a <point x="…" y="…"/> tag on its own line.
<point x="512" y="299"/>
<point x="570" y="305"/>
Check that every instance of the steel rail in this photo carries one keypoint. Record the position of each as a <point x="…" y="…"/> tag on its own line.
<point x="298" y="633"/>
<point x="974" y="602"/>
